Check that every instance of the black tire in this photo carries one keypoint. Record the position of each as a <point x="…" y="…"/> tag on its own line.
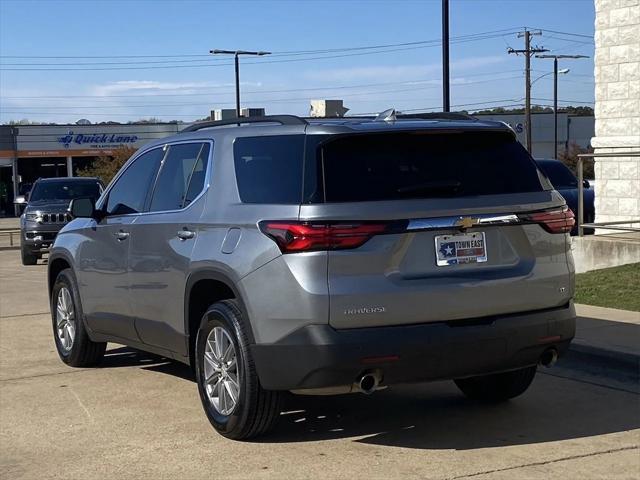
<point x="498" y="387"/>
<point x="83" y="352"/>
<point x="257" y="410"/>
<point x="28" y="258"/>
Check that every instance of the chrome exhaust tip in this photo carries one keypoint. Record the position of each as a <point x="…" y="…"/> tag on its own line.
<point x="368" y="383"/>
<point x="549" y="357"/>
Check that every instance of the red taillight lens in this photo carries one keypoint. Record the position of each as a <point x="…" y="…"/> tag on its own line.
<point x="294" y="237"/>
<point x="560" y="220"/>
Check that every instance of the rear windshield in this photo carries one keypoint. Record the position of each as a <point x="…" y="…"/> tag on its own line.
<point x="426" y="165"/>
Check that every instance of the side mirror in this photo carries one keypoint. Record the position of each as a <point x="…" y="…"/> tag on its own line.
<point x="20" y="200"/>
<point x="82" y="208"/>
<point x="586" y="184"/>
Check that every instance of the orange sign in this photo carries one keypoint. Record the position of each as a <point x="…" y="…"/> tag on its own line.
<point x="61" y="153"/>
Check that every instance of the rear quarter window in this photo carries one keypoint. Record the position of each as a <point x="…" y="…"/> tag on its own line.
<point x="269" y="169"/>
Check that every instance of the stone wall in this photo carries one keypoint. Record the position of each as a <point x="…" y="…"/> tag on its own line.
<point x="617" y="128"/>
<point x="593" y="252"/>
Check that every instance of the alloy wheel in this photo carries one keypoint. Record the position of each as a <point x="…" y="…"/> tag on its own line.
<point x="221" y="374"/>
<point x="65" y="319"/>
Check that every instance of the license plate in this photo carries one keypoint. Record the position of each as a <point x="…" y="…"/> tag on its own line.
<point x="460" y="248"/>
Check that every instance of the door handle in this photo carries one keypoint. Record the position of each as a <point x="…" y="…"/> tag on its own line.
<point x="186" y="234"/>
<point x="121" y="235"/>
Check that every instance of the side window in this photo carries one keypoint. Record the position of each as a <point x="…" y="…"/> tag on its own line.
<point x="269" y="169"/>
<point x="181" y="177"/>
<point x="129" y="193"/>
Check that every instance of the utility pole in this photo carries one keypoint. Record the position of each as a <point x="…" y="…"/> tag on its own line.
<point x="446" y="100"/>
<point x="236" y="54"/>
<point x="527" y="52"/>
<point x="555" y="94"/>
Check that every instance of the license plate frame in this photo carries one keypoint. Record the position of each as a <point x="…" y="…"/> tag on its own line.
<point x="451" y="251"/>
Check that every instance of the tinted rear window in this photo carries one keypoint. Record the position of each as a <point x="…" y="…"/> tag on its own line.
<point x="269" y="169"/>
<point x="426" y="165"/>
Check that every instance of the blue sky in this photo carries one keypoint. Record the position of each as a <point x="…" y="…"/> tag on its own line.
<point x="111" y="46"/>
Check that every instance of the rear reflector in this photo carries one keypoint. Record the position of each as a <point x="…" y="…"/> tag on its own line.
<point x="557" y="220"/>
<point x="385" y="359"/>
<point x="293" y="237"/>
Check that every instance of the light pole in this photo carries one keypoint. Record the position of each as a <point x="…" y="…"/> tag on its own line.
<point x="446" y="103"/>
<point x="555" y="93"/>
<point x="236" y="54"/>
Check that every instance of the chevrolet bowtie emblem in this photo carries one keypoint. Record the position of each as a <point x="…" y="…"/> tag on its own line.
<point x="466" y="222"/>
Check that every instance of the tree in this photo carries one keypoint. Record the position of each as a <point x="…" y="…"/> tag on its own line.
<point x="143" y="121"/>
<point x="570" y="158"/>
<point x="105" y="168"/>
<point x="505" y="111"/>
<point x="580" y="111"/>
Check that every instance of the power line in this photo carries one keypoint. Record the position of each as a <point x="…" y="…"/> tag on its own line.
<point x="275" y="53"/>
<point x="286" y="90"/>
<point x="351" y="52"/>
<point x="266" y="101"/>
<point x="564" y="101"/>
<point x="488" y="104"/>
<point x="170" y="114"/>
<point x="425" y="109"/>
<point x="220" y="64"/>
<point x="565" y="33"/>
<point x="289" y="90"/>
<point x="571" y="40"/>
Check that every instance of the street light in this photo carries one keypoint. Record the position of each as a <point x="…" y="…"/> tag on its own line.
<point x="555" y="93"/>
<point x="236" y="54"/>
<point x="562" y="71"/>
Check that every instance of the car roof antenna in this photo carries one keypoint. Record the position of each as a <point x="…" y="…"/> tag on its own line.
<point x="386" y="116"/>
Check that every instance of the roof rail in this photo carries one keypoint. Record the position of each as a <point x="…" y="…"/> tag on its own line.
<point x="437" y="116"/>
<point x="281" y="119"/>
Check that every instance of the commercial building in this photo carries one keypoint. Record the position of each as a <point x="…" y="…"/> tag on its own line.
<point x="617" y="129"/>
<point x="571" y="129"/>
<point x="28" y="152"/>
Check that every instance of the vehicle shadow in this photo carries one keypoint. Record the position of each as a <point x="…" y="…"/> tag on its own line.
<point x="436" y="415"/>
<point x="130" y="357"/>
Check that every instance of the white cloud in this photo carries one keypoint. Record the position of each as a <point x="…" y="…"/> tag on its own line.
<point x="399" y="72"/>
<point x="124" y="86"/>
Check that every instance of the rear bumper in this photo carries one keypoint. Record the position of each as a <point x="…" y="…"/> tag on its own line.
<point x="318" y="356"/>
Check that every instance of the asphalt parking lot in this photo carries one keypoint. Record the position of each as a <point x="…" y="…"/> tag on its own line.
<point x="139" y="416"/>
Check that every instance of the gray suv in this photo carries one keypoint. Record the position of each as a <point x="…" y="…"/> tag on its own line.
<point x="322" y="256"/>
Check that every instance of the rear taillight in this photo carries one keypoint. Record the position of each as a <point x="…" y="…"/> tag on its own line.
<point x="294" y="237"/>
<point x="557" y="220"/>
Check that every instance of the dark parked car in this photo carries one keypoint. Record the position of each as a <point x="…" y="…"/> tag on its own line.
<point x="277" y="254"/>
<point x="46" y="212"/>
<point x="566" y="183"/>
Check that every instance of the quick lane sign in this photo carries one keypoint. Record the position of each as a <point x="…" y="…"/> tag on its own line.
<point x="96" y="140"/>
<point x="70" y="139"/>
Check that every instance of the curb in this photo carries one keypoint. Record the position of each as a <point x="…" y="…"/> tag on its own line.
<point x="628" y="359"/>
